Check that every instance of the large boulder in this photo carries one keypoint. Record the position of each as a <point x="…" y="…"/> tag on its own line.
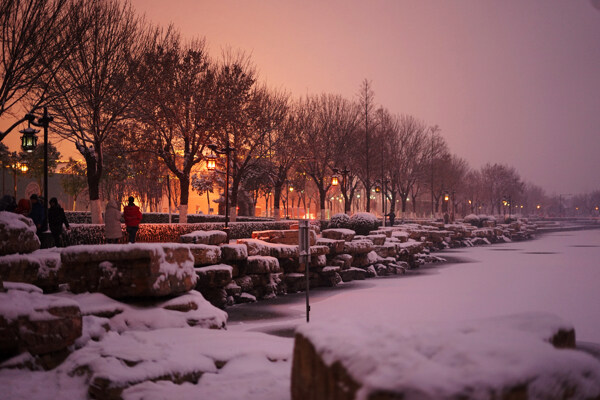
<point x="213" y="276"/>
<point x="34" y="322"/>
<point x="17" y="234"/>
<point x="360" y="246"/>
<point x="513" y="357"/>
<point x="40" y="268"/>
<point x="339" y="234"/>
<point x="130" y="270"/>
<point x="335" y="246"/>
<point x="205" y="254"/>
<point x="262" y="265"/>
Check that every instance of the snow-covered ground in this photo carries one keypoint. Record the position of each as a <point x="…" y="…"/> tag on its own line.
<point x="558" y="273"/>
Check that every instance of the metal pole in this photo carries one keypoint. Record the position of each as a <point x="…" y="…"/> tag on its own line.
<point x="227" y="150"/>
<point x="45" y="121"/>
<point x="304" y="250"/>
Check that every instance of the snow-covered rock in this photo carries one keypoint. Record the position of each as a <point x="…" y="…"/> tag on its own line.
<point x="39" y="268"/>
<point x="17" y="234"/>
<point x="360" y="246"/>
<point x="335" y="246"/>
<point x="175" y="355"/>
<point x="205" y="237"/>
<point x="234" y="252"/>
<point x="262" y="265"/>
<point x="34" y="322"/>
<point x="339" y="234"/>
<point x="205" y="254"/>
<point x="130" y="270"/>
<point x="214" y="276"/>
<point x="288" y="236"/>
<point x="510" y="357"/>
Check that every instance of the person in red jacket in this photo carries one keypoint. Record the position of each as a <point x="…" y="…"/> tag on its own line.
<point x="132" y="216"/>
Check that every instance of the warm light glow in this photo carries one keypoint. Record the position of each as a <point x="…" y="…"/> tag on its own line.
<point x="335" y="180"/>
<point x="538" y="206"/>
<point x="377" y="189"/>
<point x="596" y="208"/>
<point x="577" y="208"/>
<point x="291" y="188"/>
<point x="446" y="197"/>
<point x="23" y="167"/>
<point x="469" y="201"/>
<point x="407" y="199"/>
<point x="211" y="162"/>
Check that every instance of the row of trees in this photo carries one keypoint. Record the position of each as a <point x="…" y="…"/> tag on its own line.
<point x="141" y="104"/>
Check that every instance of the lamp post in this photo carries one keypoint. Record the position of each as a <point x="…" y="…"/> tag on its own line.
<point x="43" y="122"/>
<point x="211" y="167"/>
<point x="334" y="181"/>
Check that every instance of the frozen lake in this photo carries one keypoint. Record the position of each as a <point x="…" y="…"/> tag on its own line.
<point x="557" y="273"/>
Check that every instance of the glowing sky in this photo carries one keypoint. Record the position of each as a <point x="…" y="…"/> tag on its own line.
<point x="515" y="81"/>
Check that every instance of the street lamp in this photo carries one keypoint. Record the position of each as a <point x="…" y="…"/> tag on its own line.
<point x="43" y="122"/>
<point x="211" y="164"/>
<point x="29" y="139"/>
<point x="334" y="181"/>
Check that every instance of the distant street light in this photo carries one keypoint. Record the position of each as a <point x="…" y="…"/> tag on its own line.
<point x="344" y="172"/>
<point x="211" y="165"/>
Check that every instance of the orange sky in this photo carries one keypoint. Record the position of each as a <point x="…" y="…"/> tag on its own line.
<point x="515" y="81"/>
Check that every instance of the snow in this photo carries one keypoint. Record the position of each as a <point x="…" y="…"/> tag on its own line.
<point x="125" y="317"/>
<point x="24" y="300"/>
<point x="472" y="357"/>
<point x="217" y="267"/>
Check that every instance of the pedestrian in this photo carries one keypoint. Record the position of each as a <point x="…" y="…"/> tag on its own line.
<point x="112" y="222"/>
<point x="23" y="207"/>
<point x="37" y="213"/>
<point x="56" y="219"/>
<point x="392" y="217"/>
<point x="8" y="203"/>
<point x="132" y="217"/>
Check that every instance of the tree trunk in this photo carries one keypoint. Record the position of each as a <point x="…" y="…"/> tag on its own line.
<point x="94" y="173"/>
<point x="184" y="186"/>
<point x="277" y="200"/>
<point x="322" y="199"/>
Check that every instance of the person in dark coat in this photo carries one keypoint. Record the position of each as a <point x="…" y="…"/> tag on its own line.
<point x="392" y="217"/>
<point x="8" y="203"/>
<point x="132" y="216"/>
<point x="56" y="219"/>
<point x="37" y="213"/>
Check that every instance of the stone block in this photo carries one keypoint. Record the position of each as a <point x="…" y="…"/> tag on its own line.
<point x="205" y="237"/>
<point x="17" y="234"/>
<point x="40" y="268"/>
<point x="262" y="265"/>
<point x="34" y="322"/>
<point x="386" y="250"/>
<point x="213" y="276"/>
<point x="129" y="270"/>
<point x="343" y="260"/>
<point x="358" y="247"/>
<point x="288" y="236"/>
<point x="339" y="234"/>
<point x="378" y="240"/>
<point x="205" y="254"/>
<point x="234" y="252"/>
<point x="352" y="274"/>
<point x="335" y="246"/>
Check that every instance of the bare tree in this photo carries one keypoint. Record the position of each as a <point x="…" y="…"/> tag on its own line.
<point x="179" y="112"/>
<point x="366" y="99"/>
<point x="33" y="47"/>
<point x="325" y="120"/>
<point x="249" y="114"/>
<point x="98" y="83"/>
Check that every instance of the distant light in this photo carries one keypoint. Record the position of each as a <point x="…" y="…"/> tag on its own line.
<point x="446" y="198"/>
<point x="469" y="201"/>
<point x="538" y="207"/>
<point x="335" y="180"/>
<point x="291" y="188"/>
